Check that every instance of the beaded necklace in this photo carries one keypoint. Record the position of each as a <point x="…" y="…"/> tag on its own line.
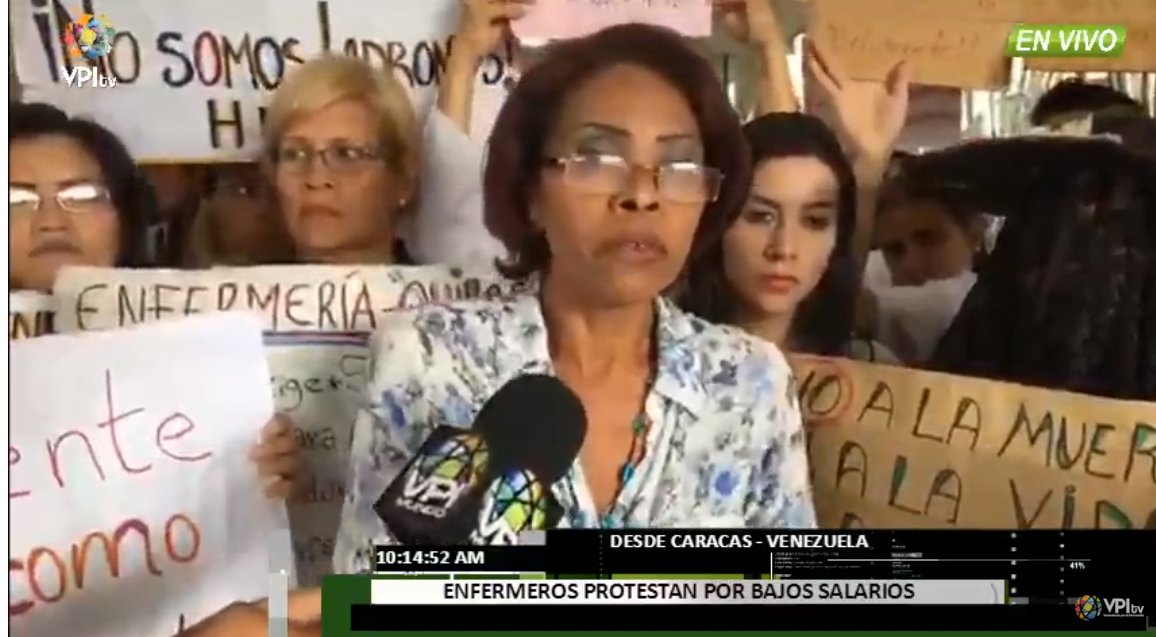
<point x="613" y="518"/>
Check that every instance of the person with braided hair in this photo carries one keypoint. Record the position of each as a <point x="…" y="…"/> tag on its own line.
<point x="1067" y="298"/>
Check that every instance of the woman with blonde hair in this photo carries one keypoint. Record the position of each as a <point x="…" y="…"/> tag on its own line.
<point x="342" y="151"/>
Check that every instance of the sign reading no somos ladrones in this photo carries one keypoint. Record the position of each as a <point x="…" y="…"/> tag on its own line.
<point x="209" y="64"/>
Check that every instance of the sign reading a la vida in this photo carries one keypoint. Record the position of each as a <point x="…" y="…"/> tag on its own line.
<point x="902" y="448"/>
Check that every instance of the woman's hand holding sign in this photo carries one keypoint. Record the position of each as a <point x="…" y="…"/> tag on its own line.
<point x="483" y="26"/>
<point x="871" y="117"/>
<point x="278" y="457"/>
<point x="252" y="619"/>
<point x="753" y="22"/>
<point x="871" y="113"/>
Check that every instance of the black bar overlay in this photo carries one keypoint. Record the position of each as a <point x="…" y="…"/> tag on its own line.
<point x="1041" y="564"/>
<point x="366" y="617"/>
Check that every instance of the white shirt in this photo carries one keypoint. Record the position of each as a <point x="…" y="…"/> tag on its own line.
<point x="912" y="319"/>
<point x="725" y="440"/>
<point x="448" y="228"/>
<point x="876" y="274"/>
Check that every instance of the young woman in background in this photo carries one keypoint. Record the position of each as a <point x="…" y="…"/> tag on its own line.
<point x="931" y="243"/>
<point x="785" y="270"/>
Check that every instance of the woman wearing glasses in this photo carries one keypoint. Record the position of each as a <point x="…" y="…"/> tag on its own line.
<point x="614" y="161"/>
<point x="75" y="197"/>
<point x="237" y="224"/>
<point x="342" y="148"/>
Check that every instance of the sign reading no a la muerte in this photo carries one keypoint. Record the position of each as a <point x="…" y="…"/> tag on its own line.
<point x="899" y="448"/>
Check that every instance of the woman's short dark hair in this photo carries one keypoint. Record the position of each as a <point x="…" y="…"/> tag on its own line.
<point x="824" y="320"/>
<point x="915" y="180"/>
<point x="515" y="154"/>
<point x="1073" y="97"/>
<point x="131" y="193"/>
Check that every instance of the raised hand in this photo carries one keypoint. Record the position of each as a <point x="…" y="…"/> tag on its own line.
<point x="871" y="113"/>
<point x="484" y="24"/>
<point x="750" y="21"/>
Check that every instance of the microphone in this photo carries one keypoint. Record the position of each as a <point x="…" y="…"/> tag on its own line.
<point x="551" y="425"/>
<point x="436" y="499"/>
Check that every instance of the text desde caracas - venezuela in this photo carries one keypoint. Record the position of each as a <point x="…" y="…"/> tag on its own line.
<point x="739" y="541"/>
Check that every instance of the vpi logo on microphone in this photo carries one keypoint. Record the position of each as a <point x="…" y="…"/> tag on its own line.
<point x="87" y="40"/>
<point x="442" y="477"/>
<point x="515" y="502"/>
<point x="1090" y="607"/>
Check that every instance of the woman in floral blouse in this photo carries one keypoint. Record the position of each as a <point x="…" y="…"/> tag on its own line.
<point x="614" y="161"/>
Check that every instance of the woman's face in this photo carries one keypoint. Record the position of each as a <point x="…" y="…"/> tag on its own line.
<point x="173" y="185"/>
<point x="921" y="243"/>
<point x="337" y="190"/>
<point x="621" y="207"/>
<point x="776" y="252"/>
<point x="244" y="216"/>
<point x="59" y="211"/>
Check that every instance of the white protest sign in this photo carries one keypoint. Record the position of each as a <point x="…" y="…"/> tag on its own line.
<point x="135" y="509"/>
<point x="29" y="314"/>
<point x="192" y="76"/>
<point x="560" y="19"/>
<point x="317" y="321"/>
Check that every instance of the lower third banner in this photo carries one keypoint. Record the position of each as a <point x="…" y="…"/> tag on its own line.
<point x="717" y="604"/>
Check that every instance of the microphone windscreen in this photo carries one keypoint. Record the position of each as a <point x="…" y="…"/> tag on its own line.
<point x="534" y="423"/>
<point x="435" y="499"/>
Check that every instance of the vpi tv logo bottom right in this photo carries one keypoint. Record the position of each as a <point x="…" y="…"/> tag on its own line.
<point x="1090" y="607"/>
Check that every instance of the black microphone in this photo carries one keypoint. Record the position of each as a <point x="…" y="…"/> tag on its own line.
<point x="437" y="498"/>
<point x="540" y="449"/>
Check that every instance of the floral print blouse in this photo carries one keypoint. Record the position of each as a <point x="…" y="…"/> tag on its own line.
<point x="726" y="443"/>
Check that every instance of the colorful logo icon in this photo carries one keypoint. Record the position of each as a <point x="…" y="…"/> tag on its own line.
<point x="89" y="37"/>
<point x="1088" y="607"/>
<point x="461" y="459"/>
<point x="520" y="501"/>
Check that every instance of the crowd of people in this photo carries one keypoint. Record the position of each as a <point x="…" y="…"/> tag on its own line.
<point x="681" y="256"/>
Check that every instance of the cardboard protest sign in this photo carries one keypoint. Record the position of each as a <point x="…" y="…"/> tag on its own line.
<point x="135" y="509"/>
<point x="560" y="19"/>
<point x="317" y="321"/>
<point x="944" y="42"/>
<point x="29" y="314"/>
<point x="963" y="43"/>
<point x="898" y="448"/>
<point x="209" y="64"/>
<point x="288" y="299"/>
